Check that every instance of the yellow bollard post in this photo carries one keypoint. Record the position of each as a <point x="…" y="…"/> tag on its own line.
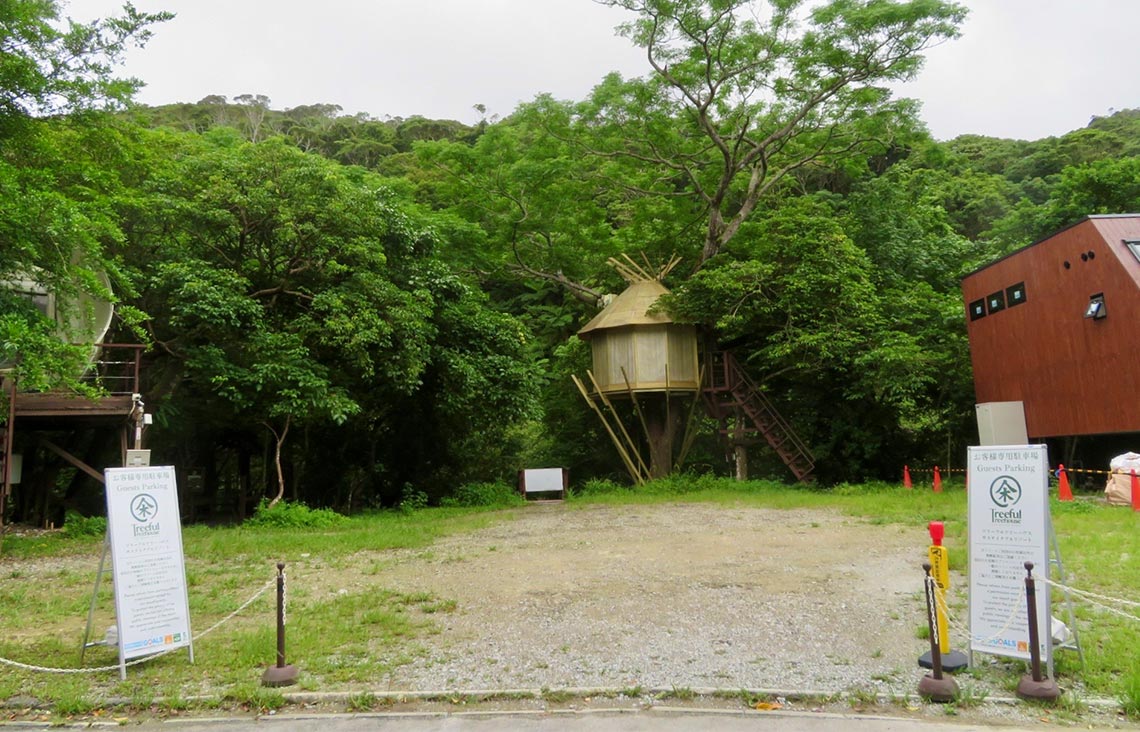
<point x="940" y="571"/>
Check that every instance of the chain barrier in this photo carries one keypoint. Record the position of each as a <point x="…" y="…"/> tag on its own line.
<point x="1094" y="599"/>
<point x="931" y="611"/>
<point x="137" y="661"/>
<point x="1090" y="471"/>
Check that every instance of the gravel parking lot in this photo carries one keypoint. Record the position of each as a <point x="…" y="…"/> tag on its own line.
<point x="685" y="596"/>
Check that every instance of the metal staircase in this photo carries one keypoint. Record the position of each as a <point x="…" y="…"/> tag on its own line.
<point x="728" y="393"/>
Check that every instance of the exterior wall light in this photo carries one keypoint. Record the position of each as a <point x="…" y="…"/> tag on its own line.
<point x="1096" y="309"/>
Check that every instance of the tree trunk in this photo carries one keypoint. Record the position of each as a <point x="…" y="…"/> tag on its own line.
<point x="663" y="424"/>
<point x="740" y="457"/>
<point x="280" y="439"/>
<point x="740" y="449"/>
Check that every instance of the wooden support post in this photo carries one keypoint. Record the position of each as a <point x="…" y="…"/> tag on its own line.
<point x="633" y="472"/>
<point x="636" y="404"/>
<point x="630" y="444"/>
<point x="690" y="433"/>
<point x="6" y="487"/>
<point x="72" y="459"/>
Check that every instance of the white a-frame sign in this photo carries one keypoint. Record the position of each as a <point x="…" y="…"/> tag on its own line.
<point x="149" y="570"/>
<point x="1009" y="525"/>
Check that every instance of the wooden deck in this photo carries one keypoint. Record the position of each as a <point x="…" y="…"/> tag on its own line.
<point x="115" y="373"/>
<point x="38" y="405"/>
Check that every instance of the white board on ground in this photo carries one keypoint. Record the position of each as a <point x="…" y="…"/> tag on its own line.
<point x="148" y="566"/>
<point x="1008" y="526"/>
<point x="541" y="480"/>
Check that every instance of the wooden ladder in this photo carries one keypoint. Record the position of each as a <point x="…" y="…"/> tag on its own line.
<point x="729" y="392"/>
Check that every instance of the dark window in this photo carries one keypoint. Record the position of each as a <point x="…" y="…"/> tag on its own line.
<point x="977" y="309"/>
<point x="995" y="302"/>
<point x="1133" y="246"/>
<point x="1015" y="294"/>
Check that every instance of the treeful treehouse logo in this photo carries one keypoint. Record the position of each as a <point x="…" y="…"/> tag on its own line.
<point x="1005" y="492"/>
<point x="143" y="508"/>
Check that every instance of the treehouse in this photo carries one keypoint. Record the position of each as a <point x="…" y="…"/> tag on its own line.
<point x="638" y="350"/>
<point x="640" y="353"/>
<point x="56" y="423"/>
<point x="1053" y="326"/>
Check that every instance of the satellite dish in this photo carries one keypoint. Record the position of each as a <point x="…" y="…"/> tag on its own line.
<point x="81" y="320"/>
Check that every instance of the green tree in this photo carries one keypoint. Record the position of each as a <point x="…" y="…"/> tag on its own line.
<point x="52" y="66"/>
<point x="295" y="296"/>
<point x="55" y="223"/>
<point x="743" y="96"/>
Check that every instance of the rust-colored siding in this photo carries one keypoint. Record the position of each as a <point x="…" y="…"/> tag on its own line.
<point x="1076" y="375"/>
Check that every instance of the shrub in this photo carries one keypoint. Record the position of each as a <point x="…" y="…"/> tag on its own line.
<point x="75" y="525"/>
<point x="293" y="516"/>
<point x="483" y="494"/>
<point x="412" y="499"/>
<point x="600" y="486"/>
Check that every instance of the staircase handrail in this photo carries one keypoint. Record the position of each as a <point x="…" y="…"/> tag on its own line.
<point x="734" y="372"/>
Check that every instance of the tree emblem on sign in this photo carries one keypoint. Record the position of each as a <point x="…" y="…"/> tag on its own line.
<point x="143" y="507"/>
<point x="1005" y="491"/>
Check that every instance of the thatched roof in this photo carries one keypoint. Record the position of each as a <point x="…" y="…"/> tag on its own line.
<point x="630" y="308"/>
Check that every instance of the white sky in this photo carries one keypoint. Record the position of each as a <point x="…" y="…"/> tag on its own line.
<point x="1023" y="68"/>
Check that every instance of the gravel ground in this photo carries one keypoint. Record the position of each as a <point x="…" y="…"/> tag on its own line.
<point x="698" y="597"/>
<point x="681" y="596"/>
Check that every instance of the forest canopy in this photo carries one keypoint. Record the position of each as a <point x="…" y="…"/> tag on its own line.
<point x="354" y="311"/>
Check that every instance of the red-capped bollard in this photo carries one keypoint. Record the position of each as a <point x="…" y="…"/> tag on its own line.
<point x="280" y="674"/>
<point x="939" y="556"/>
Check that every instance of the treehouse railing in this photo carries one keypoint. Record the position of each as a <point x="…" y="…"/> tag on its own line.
<point x="118" y="368"/>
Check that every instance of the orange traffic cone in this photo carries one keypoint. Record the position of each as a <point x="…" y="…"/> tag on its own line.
<point x="937" y="480"/>
<point x="906" y="478"/>
<point x="1064" y="493"/>
<point x="1135" y="491"/>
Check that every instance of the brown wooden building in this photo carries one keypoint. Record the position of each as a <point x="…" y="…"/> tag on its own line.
<point x="1055" y="325"/>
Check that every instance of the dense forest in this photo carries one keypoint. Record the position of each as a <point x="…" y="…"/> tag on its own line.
<point x="358" y="311"/>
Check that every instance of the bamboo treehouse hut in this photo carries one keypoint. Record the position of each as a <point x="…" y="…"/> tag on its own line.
<point x="642" y="356"/>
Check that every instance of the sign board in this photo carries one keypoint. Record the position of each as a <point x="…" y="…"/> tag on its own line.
<point x="543" y="480"/>
<point x="1008" y="526"/>
<point x="148" y="567"/>
<point x="1001" y="423"/>
<point x="138" y="458"/>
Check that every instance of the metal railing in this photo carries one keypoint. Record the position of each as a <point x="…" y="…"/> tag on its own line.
<point x="117" y="368"/>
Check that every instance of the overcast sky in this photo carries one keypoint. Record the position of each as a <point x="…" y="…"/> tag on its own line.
<point x="1022" y="68"/>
